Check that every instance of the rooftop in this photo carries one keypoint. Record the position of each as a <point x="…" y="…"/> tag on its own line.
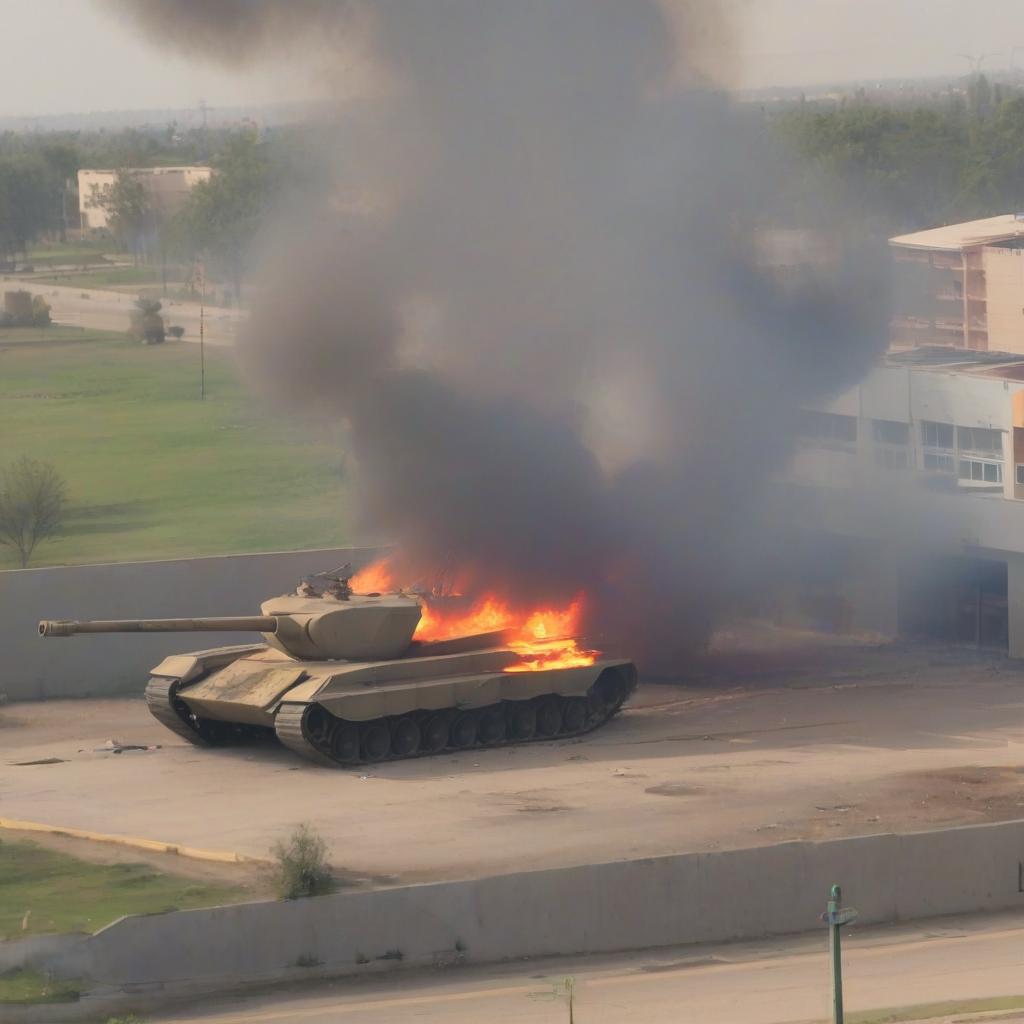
<point x="969" y="234"/>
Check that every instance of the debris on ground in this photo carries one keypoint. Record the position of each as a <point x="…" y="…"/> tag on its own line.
<point x="117" y="747"/>
<point x="38" y="760"/>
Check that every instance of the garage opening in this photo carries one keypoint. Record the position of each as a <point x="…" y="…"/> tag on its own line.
<point x="958" y="600"/>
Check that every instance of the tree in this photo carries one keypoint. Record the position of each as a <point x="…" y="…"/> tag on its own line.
<point x="27" y="206"/>
<point x="33" y="496"/>
<point x="130" y="213"/>
<point x="225" y="214"/>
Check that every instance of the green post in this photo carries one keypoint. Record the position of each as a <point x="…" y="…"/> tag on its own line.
<point x="835" y="948"/>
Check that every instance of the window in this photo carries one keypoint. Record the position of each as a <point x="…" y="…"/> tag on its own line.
<point x="1020" y="474"/>
<point x="890" y="432"/>
<point x="939" y="462"/>
<point x="980" y="439"/>
<point x="985" y="472"/>
<point x="937" y="435"/>
<point x="828" y="429"/>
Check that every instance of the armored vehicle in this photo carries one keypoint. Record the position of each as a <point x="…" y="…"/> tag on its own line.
<point x="341" y="681"/>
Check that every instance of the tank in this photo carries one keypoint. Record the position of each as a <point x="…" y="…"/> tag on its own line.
<point x="341" y="680"/>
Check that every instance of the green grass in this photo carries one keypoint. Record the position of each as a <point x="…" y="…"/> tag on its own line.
<point x="22" y="986"/>
<point x="112" y="277"/>
<point x="152" y="471"/>
<point x="78" y="253"/>
<point x="61" y="893"/>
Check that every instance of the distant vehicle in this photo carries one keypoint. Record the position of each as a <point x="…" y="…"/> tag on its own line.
<point x="341" y="681"/>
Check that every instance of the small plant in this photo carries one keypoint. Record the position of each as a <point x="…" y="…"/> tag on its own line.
<point x="362" y="958"/>
<point x="40" y="312"/>
<point x="301" y="867"/>
<point x="146" y="323"/>
<point x="308" y="960"/>
<point x="392" y="954"/>
<point x="460" y="946"/>
<point x="176" y="332"/>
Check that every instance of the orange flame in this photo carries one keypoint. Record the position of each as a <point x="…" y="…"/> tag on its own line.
<point x="374" y="578"/>
<point x="544" y="638"/>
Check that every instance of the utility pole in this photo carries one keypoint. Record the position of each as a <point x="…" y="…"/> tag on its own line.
<point x="836" y="915"/>
<point x="201" y="281"/>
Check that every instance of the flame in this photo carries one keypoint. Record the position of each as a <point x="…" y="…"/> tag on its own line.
<point x="375" y="578"/>
<point x="542" y="637"/>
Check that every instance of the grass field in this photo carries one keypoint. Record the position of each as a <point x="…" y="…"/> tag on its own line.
<point x="105" y="277"/>
<point x="31" y="987"/>
<point x="60" y="893"/>
<point x="152" y="471"/>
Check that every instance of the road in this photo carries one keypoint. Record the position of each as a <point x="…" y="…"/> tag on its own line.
<point x="957" y="961"/>
<point x="100" y="309"/>
<point x="822" y="740"/>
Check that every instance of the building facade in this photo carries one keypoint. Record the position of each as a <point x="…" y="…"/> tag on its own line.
<point x="961" y="285"/>
<point x="919" y="472"/>
<point x="166" y="188"/>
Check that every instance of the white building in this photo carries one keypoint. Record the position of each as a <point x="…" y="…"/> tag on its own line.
<point x="166" y="187"/>
<point x="920" y="467"/>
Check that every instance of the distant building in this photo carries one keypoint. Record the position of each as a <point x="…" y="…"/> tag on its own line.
<point x="961" y="285"/>
<point x="167" y="188"/>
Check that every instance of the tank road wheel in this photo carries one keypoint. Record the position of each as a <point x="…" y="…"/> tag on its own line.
<point x="575" y="714"/>
<point x="493" y="727"/>
<point x="464" y="730"/>
<point x="434" y="734"/>
<point x="376" y="740"/>
<point x="345" y="743"/>
<point x="319" y="726"/>
<point x="405" y="737"/>
<point x="522" y="720"/>
<point x="549" y="717"/>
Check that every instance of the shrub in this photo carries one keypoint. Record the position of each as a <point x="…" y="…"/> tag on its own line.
<point x="40" y="312"/>
<point x="33" y="496"/>
<point x="176" y="332"/>
<point x="301" y="867"/>
<point x="147" y="325"/>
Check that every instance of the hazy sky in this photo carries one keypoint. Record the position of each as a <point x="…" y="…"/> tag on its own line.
<point x="63" y="56"/>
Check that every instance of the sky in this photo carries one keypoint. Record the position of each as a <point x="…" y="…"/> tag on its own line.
<point x="74" y="56"/>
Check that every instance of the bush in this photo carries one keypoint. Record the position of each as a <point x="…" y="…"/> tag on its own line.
<point x="176" y="332"/>
<point x="40" y="312"/>
<point x="301" y="867"/>
<point x="146" y="323"/>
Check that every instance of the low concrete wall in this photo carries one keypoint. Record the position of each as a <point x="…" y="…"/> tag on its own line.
<point x="691" y="898"/>
<point x="88" y="666"/>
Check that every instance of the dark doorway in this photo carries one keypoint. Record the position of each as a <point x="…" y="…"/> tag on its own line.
<point x="959" y="600"/>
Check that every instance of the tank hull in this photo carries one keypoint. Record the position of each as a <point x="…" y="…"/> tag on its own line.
<point x="354" y="713"/>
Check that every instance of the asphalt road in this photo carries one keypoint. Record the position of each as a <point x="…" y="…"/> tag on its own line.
<point x="954" y="960"/>
<point x="100" y="309"/>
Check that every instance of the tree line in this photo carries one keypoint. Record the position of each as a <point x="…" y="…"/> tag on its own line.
<point x="958" y="157"/>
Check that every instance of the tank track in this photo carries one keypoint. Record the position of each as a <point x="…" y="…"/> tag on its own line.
<point x="170" y="711"/>
<point x="161" y="699"/>
<point x="310" y="730"/>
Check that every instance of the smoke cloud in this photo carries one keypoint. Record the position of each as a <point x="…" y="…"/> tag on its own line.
<point x="537" y="302"/>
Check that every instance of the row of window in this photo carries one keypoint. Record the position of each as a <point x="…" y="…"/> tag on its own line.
<point x="946" y="448"/>
<point x="828" y="426"/>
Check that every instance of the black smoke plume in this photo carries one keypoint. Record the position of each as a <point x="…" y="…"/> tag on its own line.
<point x="563" y="366"/>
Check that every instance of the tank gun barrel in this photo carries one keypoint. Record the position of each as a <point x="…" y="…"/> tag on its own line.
<point x="211" y="624"/>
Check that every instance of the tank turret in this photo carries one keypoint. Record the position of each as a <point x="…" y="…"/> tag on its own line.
<point x="352" y="628"/>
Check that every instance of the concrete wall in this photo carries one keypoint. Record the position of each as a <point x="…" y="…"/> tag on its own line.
<point x="33" y="668"/>
<point x="691" y="898"/>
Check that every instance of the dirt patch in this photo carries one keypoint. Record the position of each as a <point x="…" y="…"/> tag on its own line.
<point x="673" y="789"/>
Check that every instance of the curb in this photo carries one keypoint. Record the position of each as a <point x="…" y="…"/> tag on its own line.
<point x="135" y="842"/>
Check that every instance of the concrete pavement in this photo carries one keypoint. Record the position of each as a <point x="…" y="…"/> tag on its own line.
<point x="952" y="961"/>
<point x="101" y="309"/>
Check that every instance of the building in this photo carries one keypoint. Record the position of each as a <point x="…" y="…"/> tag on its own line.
<point x="166" y="188"/>
<point x="918" y="474"/>
<point x="961" y="285"/>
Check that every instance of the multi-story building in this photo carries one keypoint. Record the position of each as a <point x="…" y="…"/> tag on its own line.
<point x="166" y="188"/>
<point x="918" y="471"/>
<point x="961" y="285"/>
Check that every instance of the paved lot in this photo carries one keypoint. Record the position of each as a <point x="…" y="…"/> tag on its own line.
<point x="951" y="961"/>
<point x="105" y="310"/>
<point x="786" y="736"/>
